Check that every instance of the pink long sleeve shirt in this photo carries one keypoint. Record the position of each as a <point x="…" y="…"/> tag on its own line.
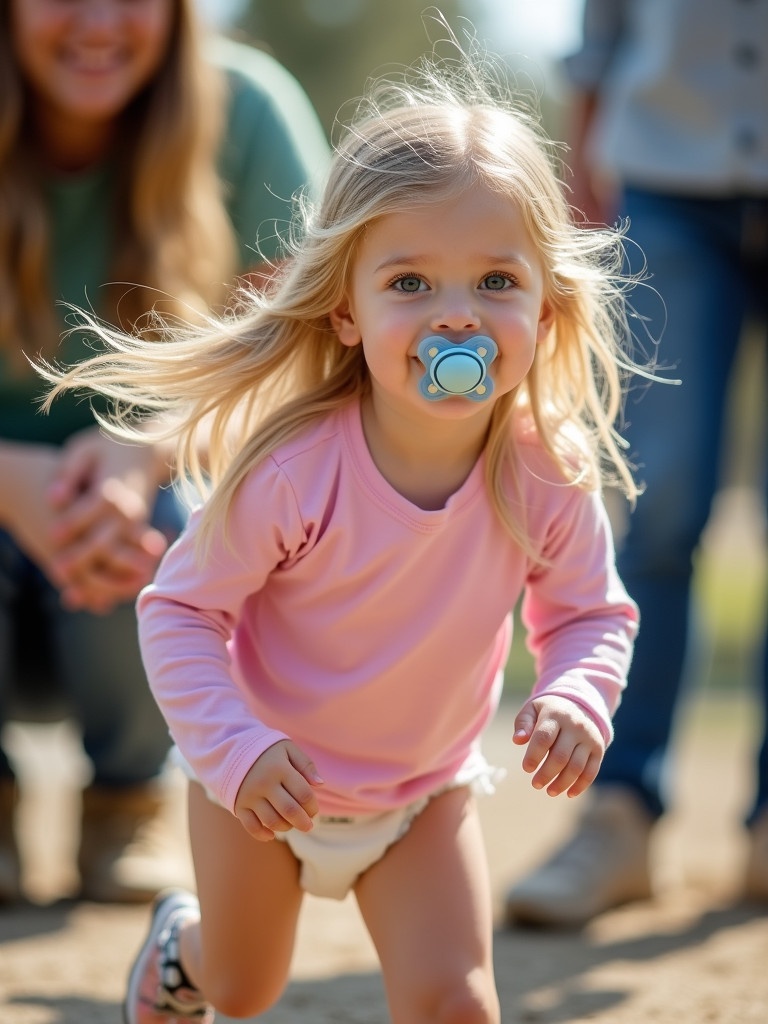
<point x="372" y="632"/>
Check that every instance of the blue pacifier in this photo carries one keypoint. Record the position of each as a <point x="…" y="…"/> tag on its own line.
<point x="457" y="369"/>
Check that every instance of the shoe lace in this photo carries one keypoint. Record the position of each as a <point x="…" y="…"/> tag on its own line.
<point x="175" y="991"/>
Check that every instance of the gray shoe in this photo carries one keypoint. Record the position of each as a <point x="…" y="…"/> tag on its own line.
<point x="127" y="852"/>
<point x="603" y="865"/>
<point x="756" y="878"/>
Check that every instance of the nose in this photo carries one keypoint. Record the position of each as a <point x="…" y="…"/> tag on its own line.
<point x="99" y="16"/>
<point x="455" y="311"/>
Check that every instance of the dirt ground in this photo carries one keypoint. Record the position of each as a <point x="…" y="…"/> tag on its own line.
<point x="693" y="955"/>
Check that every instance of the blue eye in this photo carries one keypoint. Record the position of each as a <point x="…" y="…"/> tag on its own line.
<point x="408" y="283"/>
<point x="495" y="283"/>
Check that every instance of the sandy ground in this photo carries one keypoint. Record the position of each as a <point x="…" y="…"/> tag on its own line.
<point x="693" y="955"/>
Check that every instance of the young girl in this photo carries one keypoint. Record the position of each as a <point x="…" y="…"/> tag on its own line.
<point x="408" y="434"/>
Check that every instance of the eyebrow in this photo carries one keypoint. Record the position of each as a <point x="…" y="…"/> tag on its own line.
<point x="415" y="260"/>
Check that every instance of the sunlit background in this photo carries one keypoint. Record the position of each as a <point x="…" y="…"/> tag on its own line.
<point x="333" y="46"/>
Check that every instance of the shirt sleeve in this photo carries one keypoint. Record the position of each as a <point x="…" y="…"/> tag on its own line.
<point x="274" y="148"/>
<point x="187" y="617"/>
<point x="580" y="620"/>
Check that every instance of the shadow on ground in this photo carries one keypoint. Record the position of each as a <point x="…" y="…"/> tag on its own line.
<point x="541" y="975"/>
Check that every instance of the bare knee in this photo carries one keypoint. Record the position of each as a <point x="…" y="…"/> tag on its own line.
<point x="461" y="1001"/>
<point x="465" y="1006"/>
<point x="243" y="997"/>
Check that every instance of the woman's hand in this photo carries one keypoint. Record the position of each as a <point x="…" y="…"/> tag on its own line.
<point x="565" y="745"/>
<point x="277" y="795"/>
<point x="102" y="494"/>
<point x="25" y="514"/>
<point x="80" y="513"/>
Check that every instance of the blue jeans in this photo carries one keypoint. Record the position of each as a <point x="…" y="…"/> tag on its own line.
<point x="93" y="661"/>
<point x="709" y="263"/>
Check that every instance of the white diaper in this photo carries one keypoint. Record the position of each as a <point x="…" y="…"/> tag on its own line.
<point x="338" y="849"/>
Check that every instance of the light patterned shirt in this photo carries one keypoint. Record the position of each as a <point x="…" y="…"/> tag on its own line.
<point x="683" y="93"/>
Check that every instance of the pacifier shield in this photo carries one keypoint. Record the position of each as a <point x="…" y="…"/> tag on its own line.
<point x="458" y="372"/>
<point x="457" y="369"/>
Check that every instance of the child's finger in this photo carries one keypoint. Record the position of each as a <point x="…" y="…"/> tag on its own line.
<point x="253" y="826"/>
<point x="305" y="765"/>
<point x="525" y="723"/>
<point x="283" y="812"/>
<point x="587" y="777"/>
<point x="551" y="767"/>
<point x="572" y="771"/>
<point x="541" y="743"/>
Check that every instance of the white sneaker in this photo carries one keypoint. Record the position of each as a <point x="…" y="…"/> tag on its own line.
<point x="603" y="865"/>
<point x="159" y="992"/>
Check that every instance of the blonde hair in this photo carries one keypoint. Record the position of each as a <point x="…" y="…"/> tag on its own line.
<point x="258" y="377"/>
<point x="177" y="245"/>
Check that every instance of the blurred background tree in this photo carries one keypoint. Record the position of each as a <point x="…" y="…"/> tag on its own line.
<point x="334" y="46"/>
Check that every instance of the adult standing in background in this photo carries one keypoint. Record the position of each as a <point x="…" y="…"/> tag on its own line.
<point x="671" y="130"/>
<point x="140" y="167"/>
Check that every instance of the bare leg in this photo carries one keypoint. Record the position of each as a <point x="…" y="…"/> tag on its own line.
<point x="427" y="906"/>
<point x="250" y="899"/>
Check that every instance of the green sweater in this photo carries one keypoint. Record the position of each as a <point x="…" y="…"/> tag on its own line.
<point x="274" y="145"/>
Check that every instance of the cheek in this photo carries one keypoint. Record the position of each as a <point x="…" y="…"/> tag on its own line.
<point x="152" y="37"/>
<point x="395" y="322"/>
<point x="522" y="361"/>
<point x="517" y="358"/>
<point x="34" y="38"/>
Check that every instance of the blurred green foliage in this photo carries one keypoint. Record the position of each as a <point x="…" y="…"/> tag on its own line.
<point x="334" y="46"/>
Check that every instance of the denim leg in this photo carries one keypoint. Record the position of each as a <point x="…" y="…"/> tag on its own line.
<point x="757" y="217"/>
<point x="9" y="560"/>
<point x="124" y="734"/>
<point x="675" y="434"/>
<point x="761" y="783"/>
<point x="97" y="663"/>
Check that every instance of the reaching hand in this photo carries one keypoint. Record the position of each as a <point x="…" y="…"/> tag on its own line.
<point x="102" y="494"/>
<point x="80" y="513"/>
<point x="26" y="515"/>
<point x="565" y="746"/>
<point x="276" y="795"/>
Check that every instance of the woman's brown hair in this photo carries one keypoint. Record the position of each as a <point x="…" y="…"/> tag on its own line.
<point x="177" y="246"/>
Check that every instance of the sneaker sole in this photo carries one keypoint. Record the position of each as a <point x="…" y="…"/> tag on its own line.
<point x="539" y="914"/>
<point x="165" y="904"/>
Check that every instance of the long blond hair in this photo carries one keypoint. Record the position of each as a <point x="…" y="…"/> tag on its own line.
<point x="258" y="377"/>
<point x="177" y="246"/>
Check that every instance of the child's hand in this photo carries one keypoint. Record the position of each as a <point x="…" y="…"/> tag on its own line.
<point x="564" y="743"/>
<point x="276" y="795"/>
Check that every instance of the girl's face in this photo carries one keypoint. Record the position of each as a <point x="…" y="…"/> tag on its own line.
<point x="85" y="60"/>
<point x="456" y="269"/>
